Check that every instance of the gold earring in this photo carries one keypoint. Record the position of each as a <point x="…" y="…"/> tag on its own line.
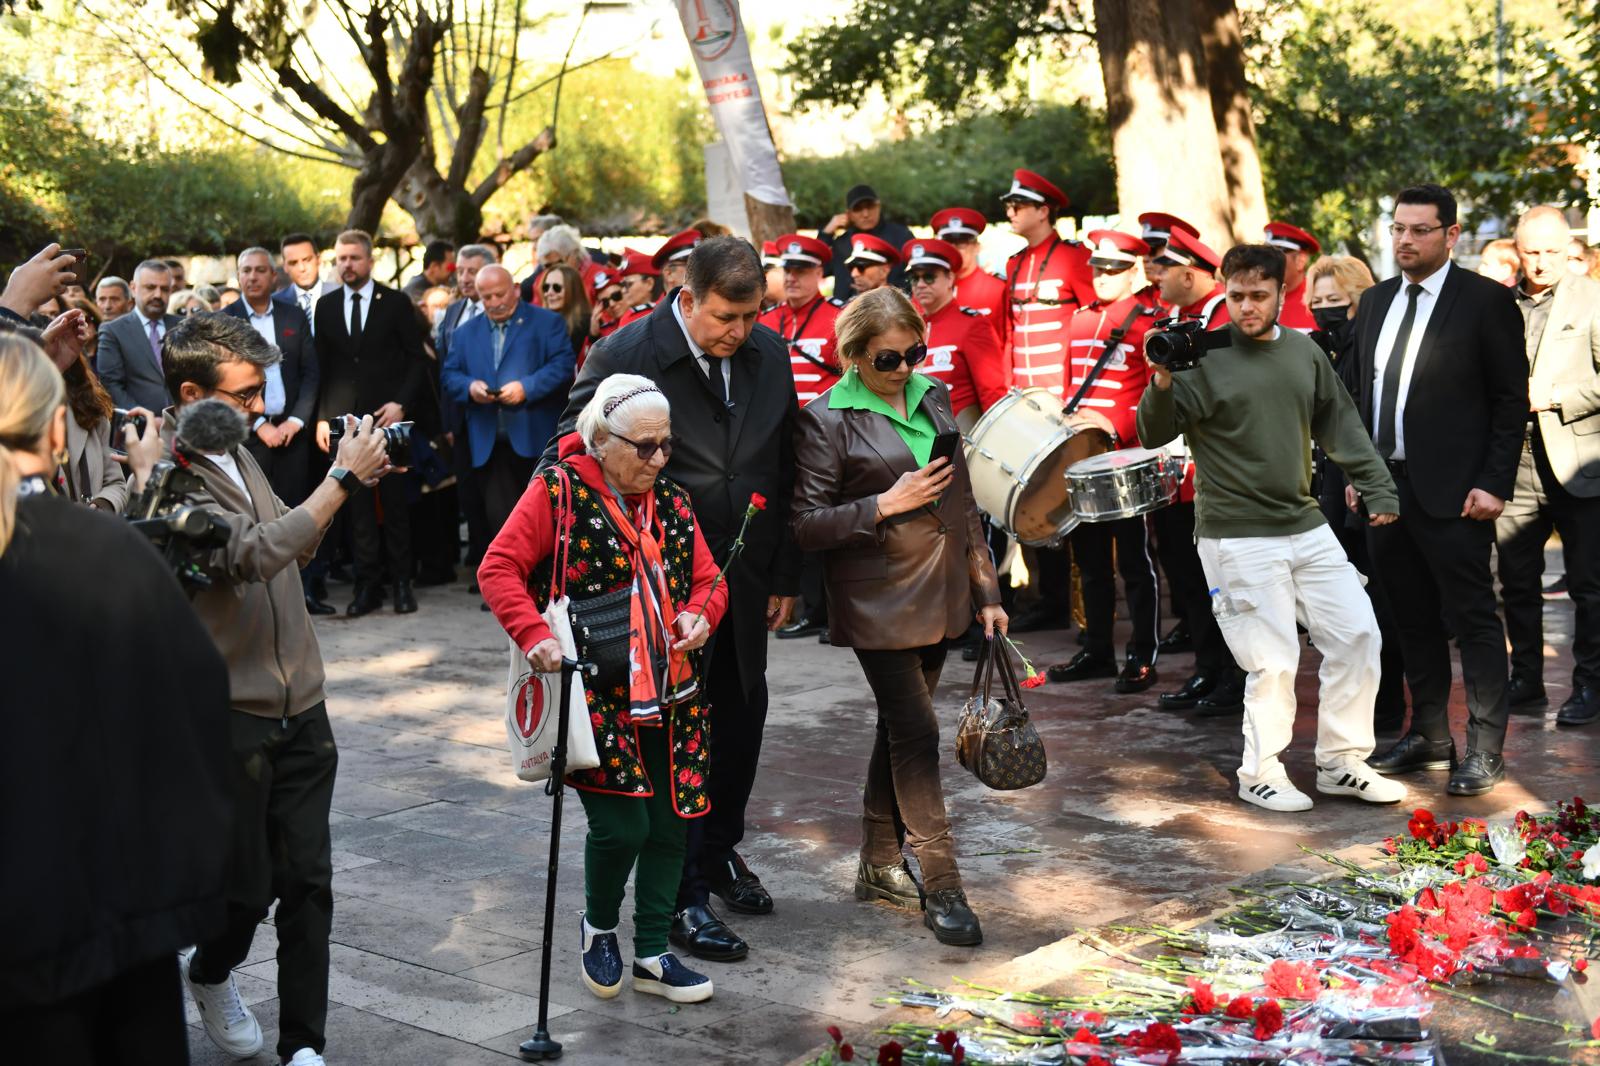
<point x="62" y="457"/>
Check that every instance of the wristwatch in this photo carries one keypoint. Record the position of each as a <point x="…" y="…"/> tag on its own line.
<point x="347" y="480"/>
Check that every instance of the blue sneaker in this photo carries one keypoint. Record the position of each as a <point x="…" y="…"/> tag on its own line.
<point x="675" y="981"/>
<point x="602" y="962"/>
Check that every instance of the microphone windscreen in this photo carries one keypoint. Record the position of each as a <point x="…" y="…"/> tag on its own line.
<point x="212" y="426"/>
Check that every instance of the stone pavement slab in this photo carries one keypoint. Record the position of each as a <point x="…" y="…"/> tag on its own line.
<point x="440" y="853"/>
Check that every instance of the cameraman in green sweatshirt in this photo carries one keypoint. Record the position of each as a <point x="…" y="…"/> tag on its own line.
<point x="1249" y="409"/>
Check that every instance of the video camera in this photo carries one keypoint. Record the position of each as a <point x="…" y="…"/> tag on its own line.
<point x="1178" y="345"/>
<point x="396" y="438"/>
<point x="184" y="532"/>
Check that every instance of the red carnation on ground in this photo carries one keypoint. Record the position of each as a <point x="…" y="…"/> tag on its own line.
<point x="1580" y="965"/>
<point x="1421" y="824"/>
<point x="1155" y="1039"/>
<point x="1241" y="1007"/>
<point x="1202" y="998"/>
<point x="1472" y="865"/>
<point x="891" y="1054"/>
<point x="1083" y="1036"/>
<point x="835" y="1034"/>
<point x="1292" y="980"/>
<point x="1269" y="1019"/>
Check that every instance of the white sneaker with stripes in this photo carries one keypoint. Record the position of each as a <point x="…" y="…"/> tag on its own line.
<point x="1279" y="794"/>
<point x="1355" y="778"/>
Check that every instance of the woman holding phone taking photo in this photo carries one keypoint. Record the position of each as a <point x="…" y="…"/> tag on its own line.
<point x="881" y="489"/>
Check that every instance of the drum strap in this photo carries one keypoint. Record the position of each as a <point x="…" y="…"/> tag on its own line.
<point x="1112" y="342"/>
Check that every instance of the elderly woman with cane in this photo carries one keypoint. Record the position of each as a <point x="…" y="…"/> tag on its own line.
<point x="615" y="524"/>
<point x="906" y="568"/>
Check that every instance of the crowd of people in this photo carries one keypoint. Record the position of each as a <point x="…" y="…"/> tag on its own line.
<point x="606" y="427"/>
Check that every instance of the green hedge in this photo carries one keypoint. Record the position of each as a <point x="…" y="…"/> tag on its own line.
<point x="968" y="164"/>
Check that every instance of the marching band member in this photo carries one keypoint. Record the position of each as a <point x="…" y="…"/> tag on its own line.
<point x="608" y="305"/>
<point x="805" y="317"/>
<point x="962" y="349"/>
<point x="1298" y="247"/>
<point x="975" y="287"/>
<point x="772" y="263"/>
<point x="1216" y="688"/>
<point x="1105" y="377"/>
<point x="1157" y="227"/>
<point x="1046" y="282"/>
<point x="641" y="286"/>
<point x="672" y="258"/>
<point x="870" y="262"/>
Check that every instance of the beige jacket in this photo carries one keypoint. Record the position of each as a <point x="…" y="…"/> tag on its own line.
<point x="1566" y="369"/>
<point x="255" y="609"/>
<point x="103" y="480"/>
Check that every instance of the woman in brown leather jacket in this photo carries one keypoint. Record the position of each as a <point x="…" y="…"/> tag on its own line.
<point x="906" y="567"/>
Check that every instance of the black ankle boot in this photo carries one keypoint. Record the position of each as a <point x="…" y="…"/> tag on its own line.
<point x="952" y="921"/>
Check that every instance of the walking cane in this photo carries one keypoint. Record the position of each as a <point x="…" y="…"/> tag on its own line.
<point x="540" y="1047"/>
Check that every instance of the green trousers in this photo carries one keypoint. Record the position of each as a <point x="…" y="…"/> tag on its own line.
<point x="625" y="831"/>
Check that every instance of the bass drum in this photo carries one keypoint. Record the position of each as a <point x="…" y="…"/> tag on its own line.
<point x="1123" y="484"/>
<point x="1018" y="455"/>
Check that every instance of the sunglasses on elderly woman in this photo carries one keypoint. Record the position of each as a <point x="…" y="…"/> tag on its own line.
<point x="647" y="449"/>
<point x="886" y="361"/>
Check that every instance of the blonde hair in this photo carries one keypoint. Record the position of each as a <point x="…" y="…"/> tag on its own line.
<point x="1347" y="272"/>
<point x="31" y="391"/>
<point x="872" y="314"/>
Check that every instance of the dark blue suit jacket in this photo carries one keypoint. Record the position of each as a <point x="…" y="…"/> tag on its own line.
<point x="538" y="353"/>
<point x="302" y="376"/>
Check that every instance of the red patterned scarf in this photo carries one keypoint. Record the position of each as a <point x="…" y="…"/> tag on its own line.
<point x="657" y="676"/>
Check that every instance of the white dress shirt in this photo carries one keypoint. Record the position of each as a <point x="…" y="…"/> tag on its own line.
<point x="274" y="396"/>
<point x="161" y="325"/>
<point x="702" y="358"/>
<point x="227" y="465"/>
<point x="366" y="303"/>
<point x="1426" y="300"/>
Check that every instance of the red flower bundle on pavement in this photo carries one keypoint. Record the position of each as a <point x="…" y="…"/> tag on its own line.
<point x="1155" y="1039"/>
<point x="1292" y="980"/>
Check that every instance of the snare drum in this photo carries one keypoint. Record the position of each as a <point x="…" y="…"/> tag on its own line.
<point x="1123" y="484"/>
<point x="1017" y="455"/>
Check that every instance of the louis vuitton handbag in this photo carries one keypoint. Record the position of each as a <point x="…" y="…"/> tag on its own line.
<point x="994" y="738"/>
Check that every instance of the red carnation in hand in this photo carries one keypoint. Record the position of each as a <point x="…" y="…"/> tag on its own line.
<point x="758" y="501"/>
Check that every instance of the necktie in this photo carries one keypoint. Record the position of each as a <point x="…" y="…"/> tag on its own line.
<point x="355" y="316"/>
<point x="499" y="344"/>
<point x="1391" y="373"/>
<point x="308" y="304"/>
<point x="155" y="340"/>
<point x="714" y="375"/>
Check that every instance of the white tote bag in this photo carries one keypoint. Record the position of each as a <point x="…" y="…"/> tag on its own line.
<point x="533" y="699"/>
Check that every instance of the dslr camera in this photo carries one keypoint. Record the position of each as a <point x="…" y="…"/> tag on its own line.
<point x="184" y="532"/>
<point x="1179" y="345"/>
<point x="396" y="438"/>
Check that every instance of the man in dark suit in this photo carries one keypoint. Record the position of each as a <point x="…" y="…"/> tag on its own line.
<point x="1444" y="390"/>
<point x="1558" y="480"/>
<point x="733" y="413"/>
<point x="302" y="262"/>
<point x="128" y="357"/>
<point x="369" y="344"/>
<point x="509" y="369"/>
<point x="279" y="440"/>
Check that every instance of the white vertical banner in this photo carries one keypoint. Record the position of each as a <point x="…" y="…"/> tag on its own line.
<point x="722" y="56"/>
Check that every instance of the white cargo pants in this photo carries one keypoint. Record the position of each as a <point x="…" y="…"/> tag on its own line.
<point x="1271" y="582"/>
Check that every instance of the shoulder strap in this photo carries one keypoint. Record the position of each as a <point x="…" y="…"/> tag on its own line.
<point x="563" y="549"/>
<point x="1112" y="342"/>
<point x="1211" y="308"/>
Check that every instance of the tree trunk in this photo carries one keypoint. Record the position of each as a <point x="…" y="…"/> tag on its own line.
<point x="768" y="222"/>
<point x="1158" y="105"/>
<point x="437" y="208"/>
<point x="380" y="174"/>
<point x="1230" y="109"/>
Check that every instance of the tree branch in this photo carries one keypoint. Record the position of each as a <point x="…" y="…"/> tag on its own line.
<point x="505" y="169"/>
<point x="322" y="104"/>
<point x="471" y="119"/>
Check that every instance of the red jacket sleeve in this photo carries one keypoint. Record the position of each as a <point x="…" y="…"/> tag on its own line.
<point x="986" y="362"/>
<point x="701" y="598"/>
<point x="525" y="541"/>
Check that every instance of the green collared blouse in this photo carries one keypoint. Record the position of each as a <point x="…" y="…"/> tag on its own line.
<point x="917" y="431"/>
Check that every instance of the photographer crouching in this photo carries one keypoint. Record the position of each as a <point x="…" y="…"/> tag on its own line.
<point x="252" y="604"/>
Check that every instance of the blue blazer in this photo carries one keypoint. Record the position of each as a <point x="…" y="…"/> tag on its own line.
<point x="538" y="353"/>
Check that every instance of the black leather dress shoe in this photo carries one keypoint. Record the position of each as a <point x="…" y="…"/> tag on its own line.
<point x="740" y="889"/>
<point x="1479" y="772"/>
<point x="1186" y="697"/>
<point x="316" y="606"/>
<point x="404" y="601"/>
<point x="1039" y="616"/>
<point x="702" y="934"/>
<point x="1177" y="639"/>
<point x="1137" y="675"/>
<point x="1414" y="752"/>
<point x="801" y="627"/>
<point x="367" y="600"/>
<point x="1227" y="698"/>
<point x="952" y="921"/>
<point x="1084" y="666"/>
<point x="894" y="885"/>
<point x="1581" y="708"/>
<point x="1525" y="694"/>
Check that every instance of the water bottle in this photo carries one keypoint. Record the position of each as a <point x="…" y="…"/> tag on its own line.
<point x="1222" y="605"/>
